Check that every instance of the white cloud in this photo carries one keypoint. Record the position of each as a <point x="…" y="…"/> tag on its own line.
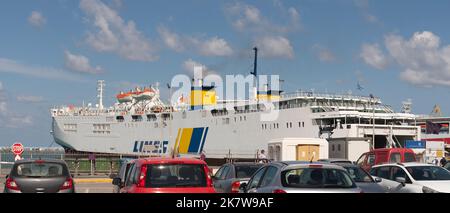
<point x="424" y="61"/>
<point x="12" y="66"/>
<point x="373" y="56"/>
<point x="113" y="34"/>
<point x="364" y="7"/>
<point x="8" y="118"/>
<point x="190" y="65"/>
<point x="323" y="53"/>
<point x="247" y="18"/>
<point x="275" y="47"/>
<point x="80" y="63"/>
<point x="172" y="40"/>
<point x="214" y="46"/>
<point x="36" y="19"/>
<point x="30" y="98"/>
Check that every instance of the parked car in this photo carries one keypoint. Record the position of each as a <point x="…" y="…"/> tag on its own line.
<point x="335" y="160"/>
<point x="364" y="180"/>
<point x="415" y="177"/>
<point x="39" y="176"/>
<point x="230" y="176"/>
<point x="119" y="179"/>
<point x="391" y="155"/>
<point x="168" y="175"/>
<point x="300" y="177"/>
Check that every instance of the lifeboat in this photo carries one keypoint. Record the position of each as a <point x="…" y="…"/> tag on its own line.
<point x="146" y="94"/>
<point x="125" y="97"/>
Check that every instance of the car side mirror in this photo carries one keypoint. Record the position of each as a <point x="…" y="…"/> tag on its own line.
<point x="378" y="179"/>
<point x="116" y="181"/>
<point x="401" y="180"/>
<point x="243" y="187"/>
<point x="7" y="176"/>
<point x="112" y="176"/>
<point x="72" y="175"/>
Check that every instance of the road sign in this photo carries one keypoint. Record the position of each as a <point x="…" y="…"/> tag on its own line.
<point x="17" y="148"/>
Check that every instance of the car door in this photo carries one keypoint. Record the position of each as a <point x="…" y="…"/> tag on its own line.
<point x="266" y="184"/>
<point x="253" y="183"/>
<point x="397" y="171"/>
<point x="362" y="162"/>
<point x="389" y="185"/>
<point x="129" y="179"/>
<point x="219" y="180"/>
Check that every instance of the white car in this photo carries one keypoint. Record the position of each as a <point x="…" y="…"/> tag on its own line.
<point x="415" y="177"/>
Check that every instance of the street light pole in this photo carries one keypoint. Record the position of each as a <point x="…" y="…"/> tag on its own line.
<point x="373" y="122"/>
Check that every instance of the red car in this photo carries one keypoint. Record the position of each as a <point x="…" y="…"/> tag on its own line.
<point x="167" y="175"/>
<point x="380" y="156"/>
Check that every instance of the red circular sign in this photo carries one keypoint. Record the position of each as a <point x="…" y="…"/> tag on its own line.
<point x="17" y="148"/>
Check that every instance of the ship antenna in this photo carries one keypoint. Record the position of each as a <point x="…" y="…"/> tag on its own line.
<point x="100" y="85"/>
<point x="255" y="72"/>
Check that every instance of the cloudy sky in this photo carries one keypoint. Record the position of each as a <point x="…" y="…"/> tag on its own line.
<point x="52" y="52"/>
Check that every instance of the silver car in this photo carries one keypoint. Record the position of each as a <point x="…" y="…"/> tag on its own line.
<point x="301" y="177"/>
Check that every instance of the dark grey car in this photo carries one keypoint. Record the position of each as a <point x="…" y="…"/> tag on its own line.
<point x="363" y="179"/>
<point x="119" y="179"/>
<point x="39" y="176"/>
<point x="230" y="176"/>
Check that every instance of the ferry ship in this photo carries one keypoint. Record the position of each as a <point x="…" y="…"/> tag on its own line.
<point x="140" y="123"/>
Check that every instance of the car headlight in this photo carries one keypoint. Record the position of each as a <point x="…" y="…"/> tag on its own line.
<point x="428" y="190"/>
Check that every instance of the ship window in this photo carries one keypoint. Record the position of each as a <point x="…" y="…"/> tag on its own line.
<point x="166" y="116"/>
<point x="303" y="124"/>
<point x="332" y="147"/>
<point x="277" y="126"/>
<point x="240" y="118"/>
<point x="299" y="124"/>
<point x="287" y="125"/>
<point x="151" y="117"/>
<point x="136" y="118"/>
<point x="262" y="125"/>
<point x="120" y="118"/>
<point x="245" y="118"/>
<point x="339" y="147"/>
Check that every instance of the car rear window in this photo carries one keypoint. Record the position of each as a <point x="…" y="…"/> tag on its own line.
<point x="246" y="171"/>
<point x="410" y="157"/>
<point x="316" y="178"/>
<point x="175" y="175"/>
<point x="40" y="169"/>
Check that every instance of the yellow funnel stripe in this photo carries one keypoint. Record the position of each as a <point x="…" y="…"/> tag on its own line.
<point x="177" y="141"/>
<point x="185" y="140"/>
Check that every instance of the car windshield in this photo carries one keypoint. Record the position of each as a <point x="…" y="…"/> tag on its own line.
<point x="316" y="178"/>
<point x="447" y="166"/>
<point x="39" y="169"/>
<point x="175" y="175"/>
<point x="246" y="171"/>
<point x="426" y="173"/>
<point x="358" y="174"/>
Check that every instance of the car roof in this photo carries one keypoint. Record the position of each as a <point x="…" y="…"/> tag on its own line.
<point x="406" y="164"/>
<point x="167" y="160"/>
<point x="41" y="160"/>
<point x="334" y="160"/>
<point x="391" y="149"/>
<point x="307" y="165"/>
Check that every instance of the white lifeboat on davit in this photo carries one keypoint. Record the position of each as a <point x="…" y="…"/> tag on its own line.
<point x="125" y="97"/>
<point x="146" y="94"/>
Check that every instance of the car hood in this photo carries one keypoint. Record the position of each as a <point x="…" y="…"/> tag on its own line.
<point x="438" y="185"/>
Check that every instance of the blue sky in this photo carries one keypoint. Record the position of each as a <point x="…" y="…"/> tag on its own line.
<point x="52" y="52"/>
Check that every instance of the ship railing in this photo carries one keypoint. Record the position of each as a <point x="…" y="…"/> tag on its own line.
<point x="305" y="94"/>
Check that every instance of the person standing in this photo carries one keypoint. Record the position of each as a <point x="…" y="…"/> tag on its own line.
<point x="443" y="161"/>
<point x="262" y="157"/>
